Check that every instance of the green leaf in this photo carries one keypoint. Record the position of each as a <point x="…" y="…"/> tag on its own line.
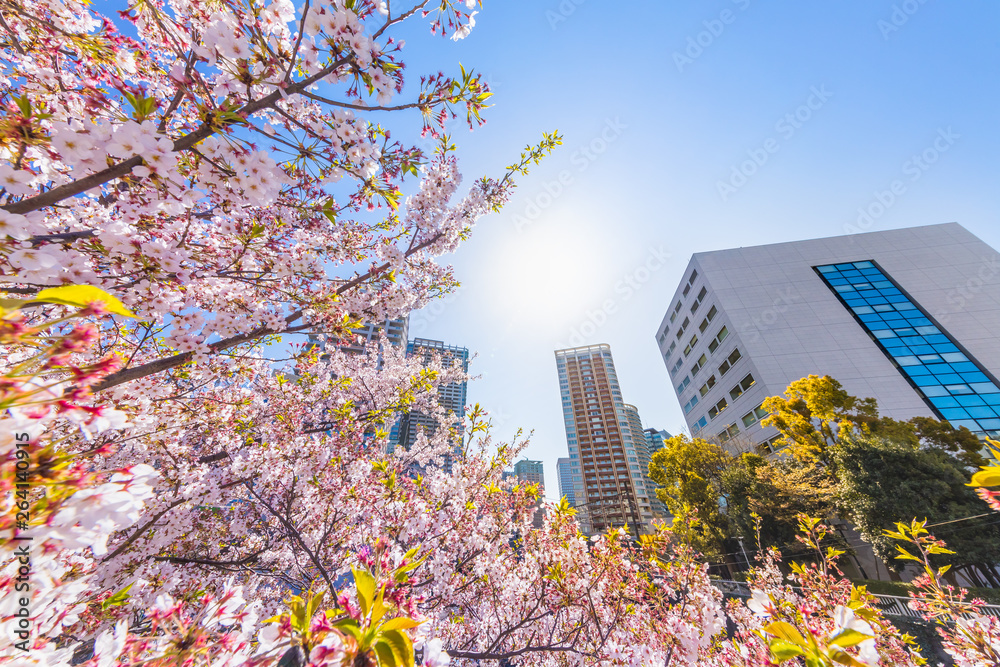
<point x="313" y="605"/>
<point x="378" y="607"/>
<point x="117" y="599"/>
<point x="386" y="658"/>
<point x="81" y="296"/>
<point x="365" y="584"/>
<point x="350" y="627"/>
<point x="12" y="304"/>
<point x="986" y="477"/>
<point x="786" y="631"/>
<point x="782" y="651"/>
<point x="844" y="658"/>
<point x="848" y="637"/>
<point x="400" y="645"/>
<point x="401" y="623"/>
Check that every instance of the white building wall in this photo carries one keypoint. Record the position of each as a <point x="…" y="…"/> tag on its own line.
<point x="788" y="324"/>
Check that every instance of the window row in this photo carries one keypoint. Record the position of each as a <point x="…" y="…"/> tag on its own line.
<point x="754" y="416"/>
<point x="728" y="433"/>
<point x="713" y="311"/>
<point x="699" y="299"/>
<point x="743" y="385"/>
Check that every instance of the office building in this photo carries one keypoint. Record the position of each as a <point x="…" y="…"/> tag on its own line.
<point x="564" y="472"/>
<point x="602" y="448"/>
<point x="451" y="396"/>
<point x="654" y="442"/>
<point x="530" y="471"/>
<point x="910" y="317"/>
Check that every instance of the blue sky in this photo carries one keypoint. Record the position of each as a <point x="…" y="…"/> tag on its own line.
<point x="659" y="103"/>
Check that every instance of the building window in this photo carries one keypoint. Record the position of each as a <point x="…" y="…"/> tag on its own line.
<point x="698" y="299"/>
<point x="670" y="350"/>
<point x="714" y="411"/>
<point x="700" y="424"/>
<point x="719" y="337"/>
<point x="754" y="416"/>
<point x="708" y="318"/>
<point x="728" y="433"/>
<point x="953" y="384"/>
<point x="690" y="345"/>
<point x="684" y="325"/>
<point x="687" y="288"/>
<point x="677" y="309"/>
<point x="698" y="365"/>
<point x="744" y="384"/>
<point x="690" y="404"/>
<point x="684" y="384"/>
<point x="707" y="387"/>
<point x="733" y="357"/>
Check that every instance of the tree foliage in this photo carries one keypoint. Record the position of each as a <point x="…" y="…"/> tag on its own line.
<point x="881" y="481"/>
<point x="688" y="473"/>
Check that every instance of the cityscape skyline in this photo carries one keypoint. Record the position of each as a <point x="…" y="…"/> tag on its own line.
<point x="663" y="399"/>
<point x="598" y="235"/>
<point x="872" y="310"/>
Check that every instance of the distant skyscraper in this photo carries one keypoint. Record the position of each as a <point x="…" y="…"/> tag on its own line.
<point x="910" y="317"/>
<point x="654" y="442"/>
<point x="395" y="331"/>
<point x="452" y="396"/>
<point x="530" y="471"/>
<point x="565" y="474"/>
<point x="602" y="448"/>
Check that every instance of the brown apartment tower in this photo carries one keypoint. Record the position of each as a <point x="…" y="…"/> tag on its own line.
<point x="604" y="451"/>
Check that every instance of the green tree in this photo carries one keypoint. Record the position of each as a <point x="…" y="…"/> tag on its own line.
<point x="776" y="491"/>
<point x="816" y="414"/>
<point x="687" y="472"/>
<point x="884" y="481"/>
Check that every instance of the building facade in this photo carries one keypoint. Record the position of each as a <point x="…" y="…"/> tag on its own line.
<point x="608" y="490"/>
<point x="910" y="317"/>
<point x="452" y="397"/>
<point x="531" y="471"/>
<point x="654" y="442"/>
<point x="564" y="472"/>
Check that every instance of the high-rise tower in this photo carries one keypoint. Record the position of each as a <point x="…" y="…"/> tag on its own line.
<point x="451" y="397"/>
<point x="600" y="438"/>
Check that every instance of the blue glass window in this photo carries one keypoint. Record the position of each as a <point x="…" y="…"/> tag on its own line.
<point x="954" y="386"/>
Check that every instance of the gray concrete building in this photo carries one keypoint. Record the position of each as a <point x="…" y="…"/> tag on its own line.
<point x="910" y="317"/>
